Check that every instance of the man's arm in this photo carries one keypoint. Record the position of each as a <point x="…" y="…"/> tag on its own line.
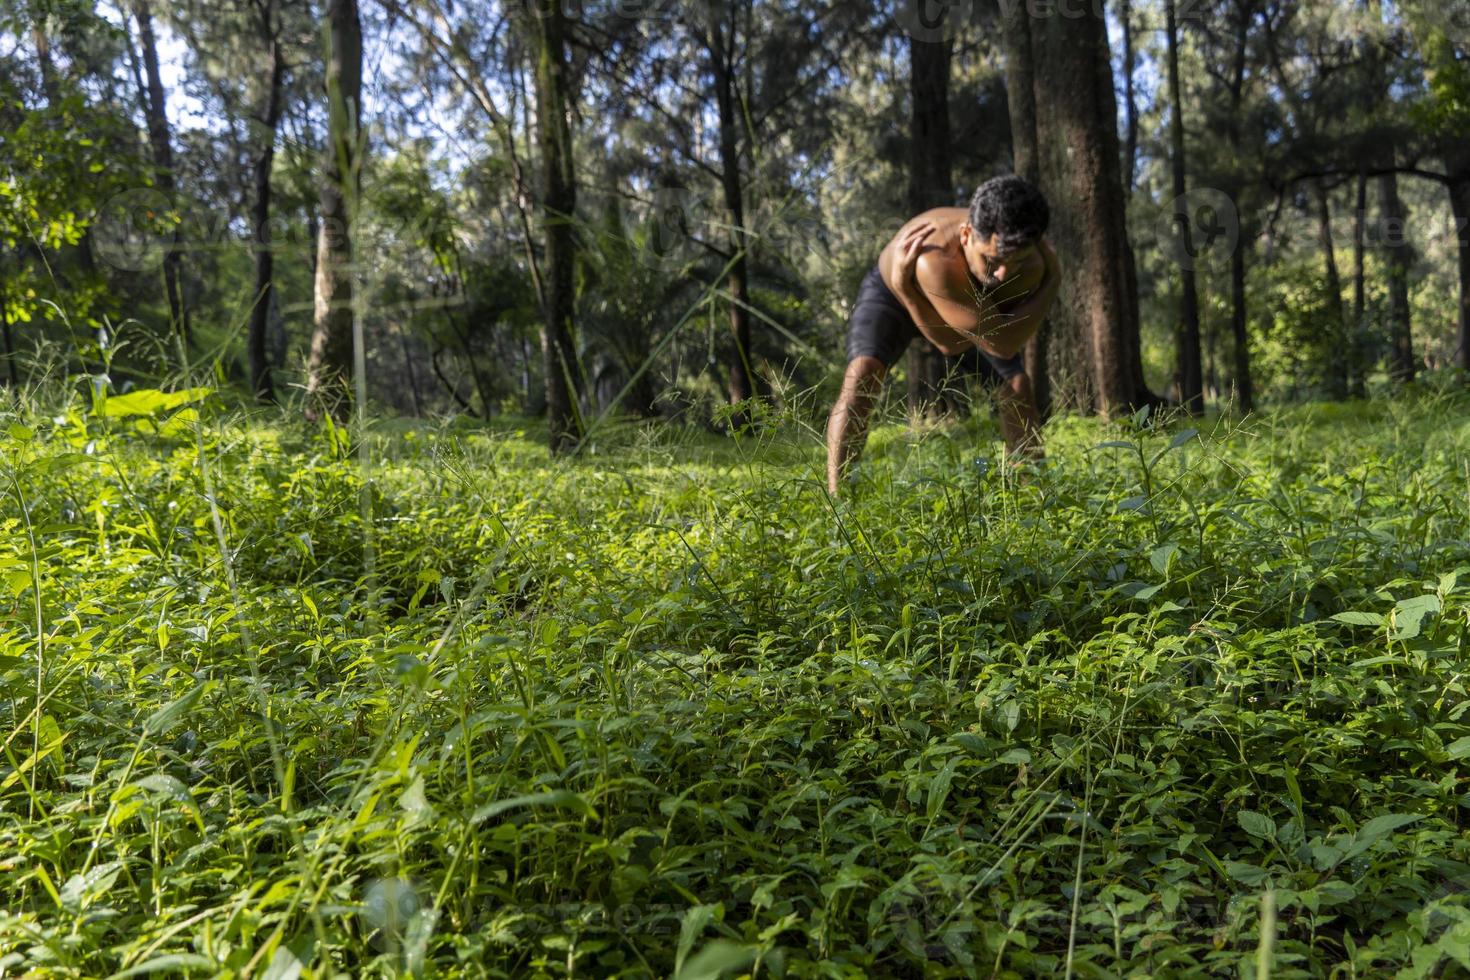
<point x="954" y="318"/>
<point x="1020" y="323"/>
<point x="948" y="324"/>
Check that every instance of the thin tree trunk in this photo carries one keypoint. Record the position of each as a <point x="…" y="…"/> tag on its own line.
<point x="9" y="340"/>
<point x="1245" y="394"/>
<point x="1239" y="314"/>
<point x="1021" y="100"/>
<point x="50" y="84"/>
<point x="721" y="54"/>
<point x="930" y="185"/>
<point x="330" y="361"/>
<point x="1095" y="358"/>
<point x="1130" y="107"/>
<point x="453" y="389"/>
<point x="413" y="381"/>
<point x="558" y="206"/>
<point x="1460" y="204"/>
<point x="257" y="340"/>
<point x="163" y="162"/>
<point x="1398" y="254"/>
<point x="1191" y="386"/>
<point x="482" y="387"/>
<point x="1337" y="380"/>
<point x="1357" y="366"/>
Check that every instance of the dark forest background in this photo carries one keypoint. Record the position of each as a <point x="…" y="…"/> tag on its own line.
<point x="663" y="209"/>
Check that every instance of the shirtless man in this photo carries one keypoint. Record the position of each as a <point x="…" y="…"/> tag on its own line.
<point x="976" y="282"/>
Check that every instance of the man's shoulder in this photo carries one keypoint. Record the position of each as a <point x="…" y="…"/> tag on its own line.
<point x="944" y="270"/>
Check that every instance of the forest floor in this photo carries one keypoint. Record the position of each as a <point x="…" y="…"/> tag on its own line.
<point x="432" y="704"/>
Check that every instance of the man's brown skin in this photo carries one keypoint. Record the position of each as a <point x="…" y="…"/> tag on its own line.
<point x="961" y="291"/>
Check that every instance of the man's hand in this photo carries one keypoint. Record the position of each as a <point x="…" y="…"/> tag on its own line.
<point x="906" y="267"/>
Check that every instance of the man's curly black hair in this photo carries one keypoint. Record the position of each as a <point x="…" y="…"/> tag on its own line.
<point x="1012" y="209"/>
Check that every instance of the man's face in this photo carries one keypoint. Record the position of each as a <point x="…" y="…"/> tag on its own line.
<point x="990" y="265"/>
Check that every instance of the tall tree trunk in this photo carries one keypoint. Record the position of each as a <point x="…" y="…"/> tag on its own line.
<point x="931" y="185"/>
<point x="558" y="207"/>
<point x="1021" y="102"/>
<point x="1239" y="315"/>
<point x="1094" y="358"/>
<point x="1337" y="376"/>
<point x="5" y="327"/>
<point x="1245" y="394"/>
<point x="1357" y="327"/>
<point x="330" y="361"/>
<point x="1398" y="253"/>
<point x="1130" y="107"/>
<point x="163" y="162"/>
<point x="413" y="381"/>
<point x="721" y="47"/>
<point x="1460" y="204"/>
<point x="482" y="386"/>
<point x="1191" y="384"/>
<point x="50" y="84"/>
<point x="257" y="341"/>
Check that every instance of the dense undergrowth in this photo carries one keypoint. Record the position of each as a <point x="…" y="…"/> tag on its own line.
<point x="1172" y="704"/>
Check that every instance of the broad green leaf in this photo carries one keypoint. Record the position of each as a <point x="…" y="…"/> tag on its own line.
<point x="169" y="963"/>
<point x="1358" y="618"/>
<point x="718" y="958"/>
<point x="149" y="401"/>
<point x="172" y="713"/>
<point x="1256" y="824"/>
<point x="555" y="797"/>
<point x="696" y="919"/>
<point x="1381" y="826"/>
<point x="1183" y="436"/>
<point x="1409" y="614"/>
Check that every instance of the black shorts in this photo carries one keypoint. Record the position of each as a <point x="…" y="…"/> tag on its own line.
<point x="880" y="327"/>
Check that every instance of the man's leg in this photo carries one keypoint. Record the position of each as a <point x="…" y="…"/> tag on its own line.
<point x="847" y="426"/>
<point x="1020" y="425"/>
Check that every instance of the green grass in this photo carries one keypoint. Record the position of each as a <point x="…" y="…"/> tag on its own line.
<point x="465" y="711"/>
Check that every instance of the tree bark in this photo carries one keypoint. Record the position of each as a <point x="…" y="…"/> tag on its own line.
<point x="1094" y="356"/>
<point x="1025" y="155"/>
<point x="413" y="381"/>
<point x="1398" y="254"/>
<point x="1460" y="205"/>
<point x="156" y="111"/>
<point x="1239" y="314"/>
<point x="1130" y="107"/>
<point x="1337" y="379"/>
<point x="330" y="361"/>
<point x="257" y="340"/>
<point x="9" y="340"/>
<point x="558" y="207"/>
<point x="1357" y="366"/>
<point x="1187" y="335"/>
<point x="931" y="184"/>
<point x="721" y="50"/>
<point x="449" y="386"/>
<point x="1245" y="394"/>
<point x="50" y="84"/>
